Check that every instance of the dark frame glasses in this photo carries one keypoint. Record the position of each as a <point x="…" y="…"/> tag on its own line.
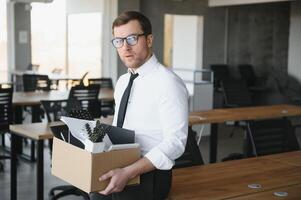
<point x="131" y="40"/>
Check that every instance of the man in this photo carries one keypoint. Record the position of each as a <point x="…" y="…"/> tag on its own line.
<point x="156" y="109"/>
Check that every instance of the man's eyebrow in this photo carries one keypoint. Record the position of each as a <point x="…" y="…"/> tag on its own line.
<point x="128" y="35"/>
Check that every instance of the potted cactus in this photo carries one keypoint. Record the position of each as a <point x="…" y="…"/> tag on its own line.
<point x="95" y="142"/>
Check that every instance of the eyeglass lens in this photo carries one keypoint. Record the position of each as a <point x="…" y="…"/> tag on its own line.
<point x="130" y="40"/>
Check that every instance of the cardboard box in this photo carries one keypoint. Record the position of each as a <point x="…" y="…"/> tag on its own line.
<point x="83" y="169"/>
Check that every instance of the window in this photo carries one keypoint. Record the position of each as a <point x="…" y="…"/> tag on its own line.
<point x="84" y="44"/>
<point x="3" y="42"/>
<point x="48" y="35"/>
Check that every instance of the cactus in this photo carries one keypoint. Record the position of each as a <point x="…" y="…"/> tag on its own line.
<point x="98" y="133"/>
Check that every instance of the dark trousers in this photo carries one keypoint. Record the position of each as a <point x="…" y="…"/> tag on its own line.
<point x="154" y="185"/>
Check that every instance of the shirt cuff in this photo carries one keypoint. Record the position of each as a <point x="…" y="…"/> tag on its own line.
<point x="159" y="159"/>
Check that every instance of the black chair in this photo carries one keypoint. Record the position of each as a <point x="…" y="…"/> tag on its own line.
<point x="103" y="82"/>
<point x="107" y="106"/>
<point x="220" y="72"/>
<point x="254" y="82"/>
<point x="270" y="137"/>
<point x="6" y="85"/>
<point x="6" y="111"/>
<point x="54" y="110"/>
<point x="191" y="155"/>
<point x="88" y="98"/>
<point x="34" y="82"/>
<point x="236" y="93"/>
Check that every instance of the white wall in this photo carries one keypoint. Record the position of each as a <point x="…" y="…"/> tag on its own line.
<point x="187" y="42"/>
<point x="294" y="52"/>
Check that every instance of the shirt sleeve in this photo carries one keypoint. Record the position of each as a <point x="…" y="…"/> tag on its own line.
<point x="173" y="115"/>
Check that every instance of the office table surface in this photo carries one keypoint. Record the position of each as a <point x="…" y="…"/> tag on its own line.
<point x="231" y="179"/>
<point x="41" y="130"/>
<point x="293" y="193"/>
<point x="34" y="98"/>
<point x="245" y="113"/>
<point x="35" y="131"/>
<point x="291" y="158"/>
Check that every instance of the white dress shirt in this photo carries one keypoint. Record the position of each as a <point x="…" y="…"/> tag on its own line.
<point x="157" y="111"/>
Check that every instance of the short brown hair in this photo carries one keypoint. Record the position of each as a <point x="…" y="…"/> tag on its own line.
<point x="127" y="16"/>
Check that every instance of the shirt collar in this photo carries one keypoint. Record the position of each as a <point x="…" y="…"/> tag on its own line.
<point x="146" y="67"/>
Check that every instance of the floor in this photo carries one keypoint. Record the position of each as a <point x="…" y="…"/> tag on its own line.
<point x="27" y="170"/>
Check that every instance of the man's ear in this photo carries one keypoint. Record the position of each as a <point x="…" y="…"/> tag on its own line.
<point x="149" y="40"/>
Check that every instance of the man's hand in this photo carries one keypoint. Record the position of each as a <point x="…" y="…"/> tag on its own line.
<point x="119" y="178"/>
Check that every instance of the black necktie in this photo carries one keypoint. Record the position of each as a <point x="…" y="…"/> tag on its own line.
<point x="124" y="101"/>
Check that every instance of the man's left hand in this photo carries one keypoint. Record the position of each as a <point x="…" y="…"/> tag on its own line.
<point x="119" y="178"/>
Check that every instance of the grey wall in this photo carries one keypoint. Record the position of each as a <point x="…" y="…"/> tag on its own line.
<point x="255" y="34"/>
<point x="294" y="59"/>
<point x="22" y="23"/>
<point x="215" y="37"/>
<point x="258" y="35"/>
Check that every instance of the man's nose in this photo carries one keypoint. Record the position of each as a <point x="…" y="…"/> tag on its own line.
<point x="126" y="46"/>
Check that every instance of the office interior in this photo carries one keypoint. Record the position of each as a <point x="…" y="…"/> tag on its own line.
<point x="189" y="37"/>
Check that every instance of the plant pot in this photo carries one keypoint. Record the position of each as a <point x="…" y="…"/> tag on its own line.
<point x="94" y="147"/>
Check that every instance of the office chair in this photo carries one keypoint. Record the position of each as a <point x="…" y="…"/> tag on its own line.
<point x="270" y="137"/>
<point x="236" y="93"/>
<point x="107" y="106"/>
<point x="191" y="155"/>
<point x="103" y="82"/>
<point x="54" y="110"/>
<point x="220" y="72"/>
<point x="6" y="111"/>
<point x="88" y="98"/>
<point x="34" y="82"/>
<point x="254" y="82"/>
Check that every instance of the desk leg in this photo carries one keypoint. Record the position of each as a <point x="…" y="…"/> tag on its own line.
<point x="213" y="143"/>
<point x="18" y="112"/>
<point x="13" y="168"/>
<point x="40" y="170"/>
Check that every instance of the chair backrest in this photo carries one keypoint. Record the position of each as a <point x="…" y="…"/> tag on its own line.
<point x="192" y="155"/>
<point x="220" y="72"/>
<point x="271" y="136"/>
<point x="247" y="73"/>
<point x="54" y="109"/>
<point x="6" y="95"/>
<point x="33" y="82"/>
<point x="236" y="93"/>
<point x="103" y="82"/>
<point x="88" y="98"/>
<point x="6" y="85"/>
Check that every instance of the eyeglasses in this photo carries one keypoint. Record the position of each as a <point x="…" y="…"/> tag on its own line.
<point x="130" y="40"/>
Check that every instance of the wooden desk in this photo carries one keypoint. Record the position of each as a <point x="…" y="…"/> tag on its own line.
<point x="291" y="158"/>
<point x="216" y="116"/>
<point x="230" y="179"/>
<point x="294" y="193"/>
<point x="39" y="132"/>
<point x="34" y="98"/>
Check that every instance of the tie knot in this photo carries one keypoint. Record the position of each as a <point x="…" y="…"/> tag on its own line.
<point x="133" y="76"/>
